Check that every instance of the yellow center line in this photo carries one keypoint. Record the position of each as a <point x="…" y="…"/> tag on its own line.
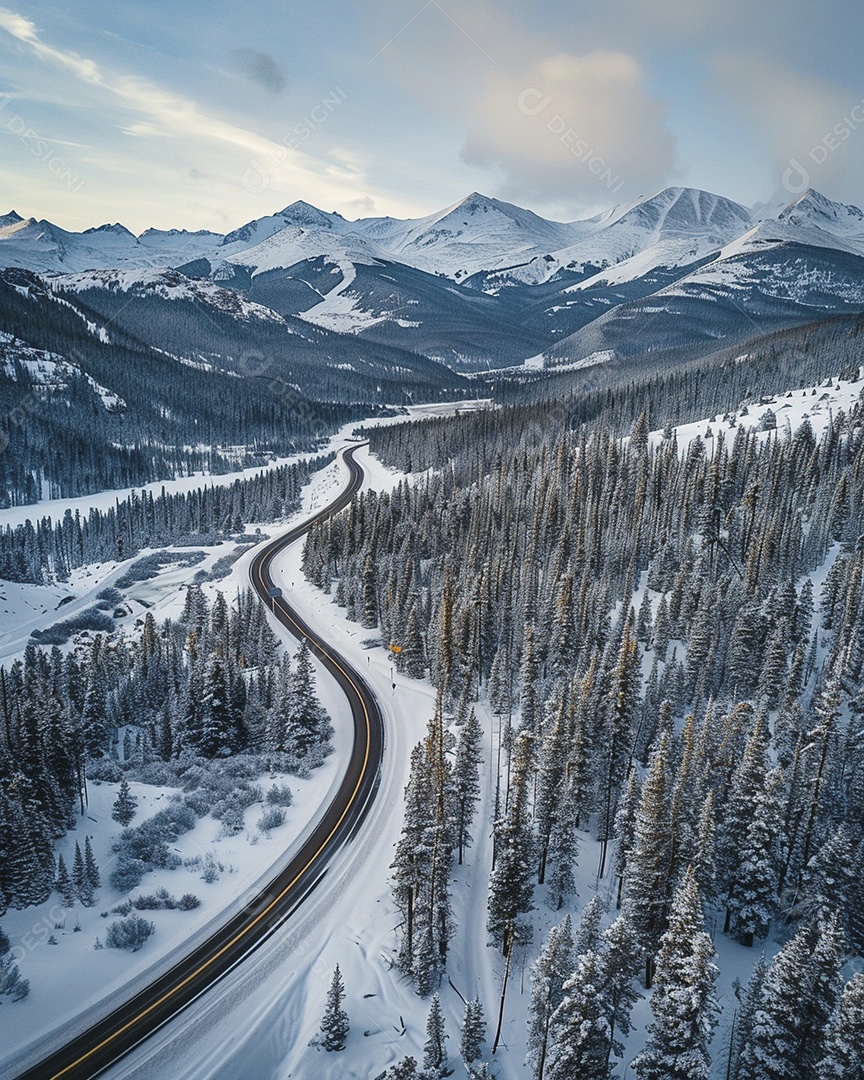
<point x="316" y="855"/>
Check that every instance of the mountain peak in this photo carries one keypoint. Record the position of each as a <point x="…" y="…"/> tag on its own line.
<point x="815" y="206"/>
<point x="109" y="230"/>
<point x="303" y="213"/>
<point x="12" y="218"/>
<point x="687" y="207"/>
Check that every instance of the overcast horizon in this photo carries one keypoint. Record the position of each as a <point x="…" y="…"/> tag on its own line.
<point x="199" y="118"/>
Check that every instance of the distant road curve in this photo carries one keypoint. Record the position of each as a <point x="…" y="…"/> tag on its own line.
<point x="95" y="1050"/>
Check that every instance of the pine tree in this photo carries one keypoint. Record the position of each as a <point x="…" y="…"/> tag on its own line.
<point x="843" y="1057"/>
<point x="622" y="959"/>
<point x="745" y="1016"/>
<point x="473" y="1032"/>
<point x="91" y="870"/>
<point x="125" y="805"/>
<point x="334" y="1023"/>
<point x="799" y="993"/>
<point x="563" y="849"/>
<point x="309" y="723"/>
<point x="406" y="1069"/>
<point x="80" y="878"/>
<point x="434" y="1052"/>
<point x="754" y="890"/>
<point x="219" y="722"/>
<point x="647" y="885"/>
<point x="511" y="886"/>
<point x="581" y="1037"/>
<point x="588" y="934"/>
<point x="548" y="974"/>
<point x="622" y="708"/>
<point x="683" y="1004"/>
<point x="64" y="883"/>
<point x="466" y="780"/>
<point x="11" y="983"/>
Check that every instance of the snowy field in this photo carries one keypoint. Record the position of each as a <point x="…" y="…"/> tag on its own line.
<point x="815" y="404"/>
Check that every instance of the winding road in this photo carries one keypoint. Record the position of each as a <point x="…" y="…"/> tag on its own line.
<point x="96" y="1049"/>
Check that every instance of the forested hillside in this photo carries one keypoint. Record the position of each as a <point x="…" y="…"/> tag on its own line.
<point x="48" y="550"/>
<point x="673" y="636"/>
<point x="188" y="694"/>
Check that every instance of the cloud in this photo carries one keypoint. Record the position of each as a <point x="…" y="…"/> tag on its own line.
<point x="573" y="129"/>
<point x="179" y="130"/>
<point x="800" y="120"/>
<point x="361" y="206"/>
<point x="261" y="68"/>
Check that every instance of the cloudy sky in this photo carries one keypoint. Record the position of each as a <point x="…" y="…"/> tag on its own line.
<point x="179" y="113"/>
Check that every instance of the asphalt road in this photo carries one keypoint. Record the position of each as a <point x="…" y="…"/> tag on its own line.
<point x="94" y="1051"/>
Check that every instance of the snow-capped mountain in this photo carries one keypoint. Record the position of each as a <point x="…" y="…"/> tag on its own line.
<point x="484" y="283"/>
<point x="477" y="233"/>
<point x="675" y="227"/>
<point x="45" y="247"/>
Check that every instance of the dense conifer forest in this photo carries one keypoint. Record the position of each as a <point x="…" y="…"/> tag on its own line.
<point x="672" y="636"/>
<point x="49" y="550"/>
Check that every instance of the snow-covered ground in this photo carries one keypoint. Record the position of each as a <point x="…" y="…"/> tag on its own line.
<point x="259" y="1020"/>
<point x="104" y="500"/>
<point x="52" y="1012"/>
<point x="816" y="404"/>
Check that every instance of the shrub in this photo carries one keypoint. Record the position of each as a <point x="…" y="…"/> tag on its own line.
<point x="187" y="902"/>
<point x="60" y="632"/>
<point x="157" y="901"/>
<point x="271" y="819"/>
<point x="105" y="769"/>
<point x="128" y="873"/>
<point x="279" y="795"/>
<point x="129" y="933"/>
<point x="145" y="847"/>
<point x="149" y="566"/>
<point x="230" y="809"/>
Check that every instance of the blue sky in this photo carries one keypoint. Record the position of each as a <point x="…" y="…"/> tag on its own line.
<point x="185" y="114"/>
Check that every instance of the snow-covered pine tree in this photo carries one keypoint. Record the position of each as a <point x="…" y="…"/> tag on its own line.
<point x="64" y="883"/>
<point x="622" y="708"/>
<point x="309" y="724"/>
<point x="434" y="1051"/>
<point x="843" y="1057"/>
<point x="80" y="878"/>
<point x="11" y="983"/>
<point x="580" y="1042"/>
<point x="91" y="870"/>
<point x="587" y="935"/>
<point x="334" y="1022"/>
<point x="466" y="780"/>
<point x="753" y="898"/>
<point x="683" y="1004"/>
<point x="406" y="1069"/>
<point x="563" y="849"/>
<point x="622" y="959"/>
<point x="548" y="974"/>
<point x="473" y="1032"/>
<point x="125" y="805"/>
<point x="511" y="886"/>
<point x="550" y="778"/>
<point x="799" y="993"/>
<point x="744" y="1016"/>
<point x="647" y="886"/>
